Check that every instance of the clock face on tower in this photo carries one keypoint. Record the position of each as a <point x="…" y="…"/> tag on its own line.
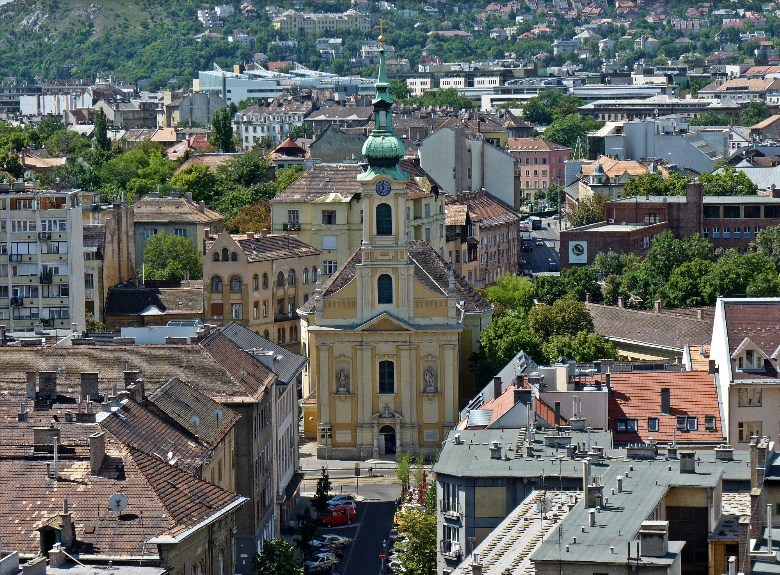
<point x="383" y="188"/>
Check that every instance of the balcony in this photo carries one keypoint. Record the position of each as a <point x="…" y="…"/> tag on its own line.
<point x="15" y="258"/>
<point x="17" y="301"/>
<point x="46" y="276"/>
<point x="291" y="227"/>
<point x="451" y="511"/>
<point x="286" y="316"/>
<point x="44" y="235"/>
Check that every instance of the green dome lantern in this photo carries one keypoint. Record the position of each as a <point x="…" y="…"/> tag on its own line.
<point x="383" y="149"/>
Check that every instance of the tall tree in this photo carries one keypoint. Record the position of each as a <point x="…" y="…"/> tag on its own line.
<point x="222" y="130"/>
<point x="566" y="316"/>
<point x="767" y="243"/>
<point x="102" y="142"/>
<point x="308" y="532"/>
<point x="277" y="558"/>
<point x="172" y="258"/>
<point x="322" y="494"/>
<point x="417" y="554"/>
<point x="582" y="347"/>
<point x="728" y="181"/>
<point x="403" y="470"/>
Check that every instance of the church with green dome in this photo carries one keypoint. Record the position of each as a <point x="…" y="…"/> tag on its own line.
<point x="387" y="335"/>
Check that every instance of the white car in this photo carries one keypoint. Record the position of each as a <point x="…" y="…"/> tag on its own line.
<point x="321" y="561"/>
<point x="331" y="539"/>
<point x="347" y="500"/>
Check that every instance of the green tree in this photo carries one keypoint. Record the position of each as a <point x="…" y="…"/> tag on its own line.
<point x="590" y="211"/>
<point x="252" y="218"/>
<point x="94" y="325"/>
<point x="566" y="316"/>
<point x="549" y="288"/>
<point x="570" y="131"/>
<point x="710" y="118"/>
<point x="444" y="98"/>
<point x="419" y="469"/>
<point x="277" y="558"/>
<point x="608" y="263"/>
<point x="66" y="142"/>
<point x="737" y="274"/>
<point x="580" y="281"/>
<point x="511" y="292"/>
<point x="728" y="181"/>
<point x="403" y="471"/>
<point x="767" y="243"/>
<point x="301" y="131"/>
<point x="9" y="162"/>
<point x="264" y="144"/>
<point x="503" y="339"/>
<point x="50" y="125"/>
<point x="222" y="135"/>
<point x="687" y="285"/>
<point x="307" y="534"/>
<point x="754" y="113"/>
<point x="322" y="494"/>
<point x="653" y="184"/>
<point x="552" y="195"/>
<point x="198" y="180"/>
<point x="172" y="258"/>
<point x="399" y="90"/>
<point x="102" y="142"/>
<point x="583" y="347"/>
<point x="548" y="106"/>
<point x="417" y="555"/>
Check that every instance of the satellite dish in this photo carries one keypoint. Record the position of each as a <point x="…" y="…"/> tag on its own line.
<point x="243" y="374"/>
<point x="195" y="421"/>
<point x="170" y="456"/>
<point x="117" y="502"/>
<point x="217" y="414"/>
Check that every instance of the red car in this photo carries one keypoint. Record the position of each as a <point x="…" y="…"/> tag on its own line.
<point x="340" y="515"/>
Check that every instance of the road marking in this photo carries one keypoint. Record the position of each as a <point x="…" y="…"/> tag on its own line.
<point x="354" y="541"/>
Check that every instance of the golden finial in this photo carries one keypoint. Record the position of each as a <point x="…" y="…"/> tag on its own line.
<point x="382" y="27"/>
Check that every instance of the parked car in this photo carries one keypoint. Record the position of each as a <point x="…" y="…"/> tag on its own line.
<point x="347" y="500"/>
<point x="324" y="547"/>
<point x="553" y="266"/>
<point x="332" y="539"/>
<point x="340" y="515"/>
<point x="539" y="242"/>
<point x="320" y="562"/>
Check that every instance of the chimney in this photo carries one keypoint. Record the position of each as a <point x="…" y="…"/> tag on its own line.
<point x="732" y="566"/>
<point x="66" y="520"/>
<point x="97" y="451"/>
<point x="57" y="185"/>
<point x="44" y="438"/>
<point x="495" y="450"/>
<point x="621" y="301"/>
<point x="496" y="386"/>
<point x="130" y="377"/>
<point x="587" y="298"/>
<point x="744" y="545"/>
<point x="89" y="385"/>
<point x="32" y="384"/>
<point x="620" y="484"/>
<point x="659" y="305"/>
<point x="592" y="517"/>
<point x="753" y="461"/>
<point x="47" y="384"/>
<point x="476" y="565"/>
<point x="137" y="391"/>
<point x="687" y="462"/>
<point x="654" y="538"/>
<point x="264" y="233"/>
<point x="250" y="235"/>
<point x="724" y="453"/>
<point x="666" y="401"/>
<point x="586" y="480"/>
<point x="189" y="197"/>
<point x="202" y="207"/>
<point x="22" y="415"/>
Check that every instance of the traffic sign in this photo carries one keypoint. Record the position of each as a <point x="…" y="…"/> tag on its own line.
<point x="382" y="556"/>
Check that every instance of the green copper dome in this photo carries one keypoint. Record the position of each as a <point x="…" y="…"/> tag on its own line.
<point x="383" y="149"/>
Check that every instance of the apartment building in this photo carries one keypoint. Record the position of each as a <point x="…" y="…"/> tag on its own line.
<point x="41" y="258"/>
<point x="276" y="120"/>
<point x="499" y="235"/>
<point x="259" y="281"/>
<point x="322" y="209"/>
<point x="540" y="163"/>
<point x="172" y="215"/>
<point x="295" y="22"/>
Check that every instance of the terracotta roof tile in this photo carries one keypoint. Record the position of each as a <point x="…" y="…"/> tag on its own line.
<point x="181" y="402"/>
<point x="523" y="144"/>
<point x="487" y="209"/>
<point x="637" y="395"/>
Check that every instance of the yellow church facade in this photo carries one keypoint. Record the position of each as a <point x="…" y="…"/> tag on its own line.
<point x="383" y="335"/>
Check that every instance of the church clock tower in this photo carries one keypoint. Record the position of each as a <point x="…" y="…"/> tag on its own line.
<point x="385" y="274"/>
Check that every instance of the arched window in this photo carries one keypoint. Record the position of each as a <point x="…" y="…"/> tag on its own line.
<point x="225" y="255"/>
<point x="305" y="275"/>
<point x="235" y="283"/>
<point x="280" y="279"/>
<point x="384" y="288"/>
<point x="255" y="282"/>
<point x="216" y="256"/>
<point x="266" y="334"/>
<point x="234" y="257"/>
<point x="265" y="281"/>
<point x="386" y="377"/>
<point x="216" y="284"/>
<point x="384" y="220"/>
<point x="280" y="335"/>
<point x="291" y="278"/>
<point x="314" y="275"/>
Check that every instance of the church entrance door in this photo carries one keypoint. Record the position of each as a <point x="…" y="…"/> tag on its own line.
<point x="387" y="440"/>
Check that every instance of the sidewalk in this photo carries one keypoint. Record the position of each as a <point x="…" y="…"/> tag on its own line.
<point x="309" y="461"/>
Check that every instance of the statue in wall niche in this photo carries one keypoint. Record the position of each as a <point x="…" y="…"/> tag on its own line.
<point x="430" y="380"/>
<point x="343" y="378"/>
<point x="387" y="412"/>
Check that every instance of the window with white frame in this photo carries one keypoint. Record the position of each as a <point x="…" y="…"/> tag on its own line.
<point x="749" y="396"/>
<point x="236" y="311"/>
<point x="329" y="267"/>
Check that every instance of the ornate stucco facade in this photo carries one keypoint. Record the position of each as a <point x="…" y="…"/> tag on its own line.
<point x="384" y="334"/>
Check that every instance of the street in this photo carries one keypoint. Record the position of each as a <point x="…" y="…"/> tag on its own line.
<point x="541" y="256"/>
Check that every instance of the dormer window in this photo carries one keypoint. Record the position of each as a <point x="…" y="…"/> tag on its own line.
<point x="748" y="356"/>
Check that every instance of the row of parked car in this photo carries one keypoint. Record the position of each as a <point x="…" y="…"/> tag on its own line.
<point x="329" y="551"/>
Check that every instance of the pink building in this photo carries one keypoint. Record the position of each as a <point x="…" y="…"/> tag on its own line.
<point x="539" y="164"/>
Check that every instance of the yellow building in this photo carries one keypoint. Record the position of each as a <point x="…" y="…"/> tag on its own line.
<point x="259" y="281"/>
<point x="384" y="334"/>
<point x="293" y="22"/>
<point x="323" y="209"/>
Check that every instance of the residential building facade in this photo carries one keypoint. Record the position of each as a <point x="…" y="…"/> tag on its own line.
<point x="275" y="121"/>
<point x="539" y="163"/>
<point x="259" y="281"/>
<point x="294" y="22"/>
<point x="41" y="258"/>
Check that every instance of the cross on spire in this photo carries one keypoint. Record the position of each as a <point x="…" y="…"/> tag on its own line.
<point x="382" y="27"/>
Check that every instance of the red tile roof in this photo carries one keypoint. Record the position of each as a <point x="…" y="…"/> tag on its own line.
<point x="637" y="395"/>
<point x="760" y="323"/>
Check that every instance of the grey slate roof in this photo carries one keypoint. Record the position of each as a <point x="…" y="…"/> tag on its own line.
<point x="286" y="369"/>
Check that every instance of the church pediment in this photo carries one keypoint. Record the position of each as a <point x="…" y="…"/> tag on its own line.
<point x="385" y="322"/>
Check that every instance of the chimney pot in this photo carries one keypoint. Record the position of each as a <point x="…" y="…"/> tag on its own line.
<point x="250" y="235"/>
